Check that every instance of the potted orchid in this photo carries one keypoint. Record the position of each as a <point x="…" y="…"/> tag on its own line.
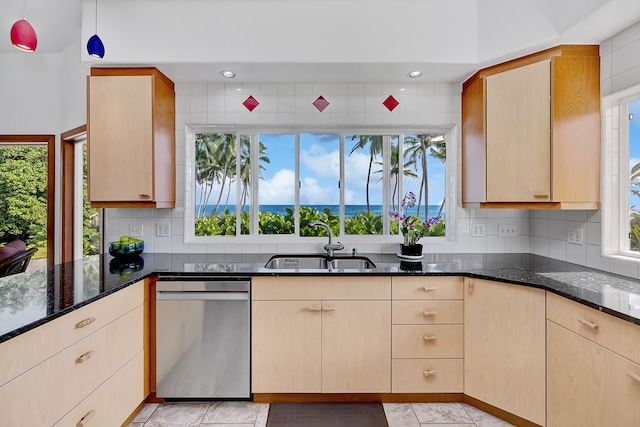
<point x="413" y="228"/>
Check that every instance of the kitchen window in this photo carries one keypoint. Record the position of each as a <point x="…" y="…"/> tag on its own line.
<point x="621" y="169"/>
<point x="255" y="184"/>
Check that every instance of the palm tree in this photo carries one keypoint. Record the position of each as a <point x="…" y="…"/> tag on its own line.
<point x="245" y="166"/>
<point x="375" y="147"/>
<point x="394" y="171"/>
<point x="215" y="163"/>
<point x="417" y="148"/>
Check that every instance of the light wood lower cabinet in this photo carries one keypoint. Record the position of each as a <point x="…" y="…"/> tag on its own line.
<point x="588" y="384"/>
<point x="44" y="393"/>
<point x="111" y="403"/>
<point x="316" y="344"/>
<point x="504" y="353"/>
<point x="427" y="335"/>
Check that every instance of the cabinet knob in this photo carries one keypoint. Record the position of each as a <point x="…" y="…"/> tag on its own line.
<point x="429" y="373"/>
<point x="144" y="196"/>
<point x="429" y="338"/>
<point x="84" y="357"/>
<point x="429" y="313"/>
<point x="470" y="286"/>
<point x="429" y="289"/>
<point x="588" y="324"/>
<point x="87" y="417"/>
<point x="634" y="376"/>
<point x="85" y="322"/>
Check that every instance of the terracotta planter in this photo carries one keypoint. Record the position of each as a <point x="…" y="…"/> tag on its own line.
<point x="411" y="250"/>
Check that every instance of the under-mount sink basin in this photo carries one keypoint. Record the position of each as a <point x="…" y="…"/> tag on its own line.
<point x="318" y="262"/>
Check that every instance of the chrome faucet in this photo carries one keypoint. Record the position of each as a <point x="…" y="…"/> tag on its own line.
<point x="329" y="247"/>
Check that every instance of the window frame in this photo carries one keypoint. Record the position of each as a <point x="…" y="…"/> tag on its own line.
<point x="615" y="175"/>
<point x="450" y="191"/>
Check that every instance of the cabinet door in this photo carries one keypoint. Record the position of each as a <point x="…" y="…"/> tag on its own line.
<point x="504" y="347"/>
<point x="518" y="132"/>
<point x="286" y="347"/>
<point x="120" y="141"/>
<point x="356" y="346"/>
<point x="589" y="385"/>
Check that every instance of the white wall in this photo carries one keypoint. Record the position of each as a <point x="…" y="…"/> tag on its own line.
<point x="353" y="104"/>
<point x="619" y="69"/>
<point x="43" y="94"/>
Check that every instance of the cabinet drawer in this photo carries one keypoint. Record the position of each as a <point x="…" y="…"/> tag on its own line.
<point x="31" y="348"/>
<point x="442" y="287"/>
<point x="432" y="341"/>
<point x="60" y="382"/>
<point x="427" y="312"/>
<point x="427" y="376"/>
<point x="320" y="287"/>
<point x="615" y="334"/>
<point x="114" y="401"/>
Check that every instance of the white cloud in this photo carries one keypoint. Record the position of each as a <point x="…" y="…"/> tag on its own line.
<point x="312" y="193"/>
<point x="321" y="163"/>
<point x="279" y="190"/>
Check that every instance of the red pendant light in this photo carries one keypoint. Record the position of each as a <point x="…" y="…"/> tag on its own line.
<point x="23" y="36"/>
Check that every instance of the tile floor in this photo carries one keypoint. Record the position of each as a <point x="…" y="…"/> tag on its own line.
<point x="247" y="414"/>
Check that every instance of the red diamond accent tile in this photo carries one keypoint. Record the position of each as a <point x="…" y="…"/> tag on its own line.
<point x="390" y="103"/>
<point x="321" y="103"/>
<point x="250" y="103"/>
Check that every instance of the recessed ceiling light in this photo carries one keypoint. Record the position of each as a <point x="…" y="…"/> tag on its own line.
<point x="227" y="74"/>
<point x="415" y="74"/>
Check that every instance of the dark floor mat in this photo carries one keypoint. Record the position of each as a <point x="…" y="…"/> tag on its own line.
<point x="326" y="414"/>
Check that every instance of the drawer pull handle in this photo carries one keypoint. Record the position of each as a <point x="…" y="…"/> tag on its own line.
<point x="429" y="338"/>
<point x="429" y="313"/>
<point x="144" y="196"/>
<point x="589" y="324"/>
<point x="540" y="194"/>
<point x="429" y="373"/>
<point x="634" y="376"/>
<point x="87" y="417"/>
<point x="84" y="357"/>
<point x="470" y="286"/>
<point x="328" y="308"/>
<point x="85" y="322"/>
<point x="429" y="289"/>
<point x="313" y="308"/>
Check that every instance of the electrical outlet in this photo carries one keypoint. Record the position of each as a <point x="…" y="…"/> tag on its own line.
<point x="477" y="230"/>
<point x="163" y="230"/>
<point x="507" y="230"/>
<point x="575" y="236"/>
<point x="135" y="230"/>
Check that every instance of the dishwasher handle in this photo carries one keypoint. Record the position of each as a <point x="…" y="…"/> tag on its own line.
<point x="208" y="296"/>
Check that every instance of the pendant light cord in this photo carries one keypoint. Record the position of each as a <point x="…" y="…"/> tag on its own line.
<point x="96" y="16"/>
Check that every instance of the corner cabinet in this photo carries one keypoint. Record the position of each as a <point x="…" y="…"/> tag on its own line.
<point x="593" y="367"/>
<point x="321" y="334"/>
<point x="131" y="138"/>
<point x="504" y="347"/>
<point x="531" y="132"/>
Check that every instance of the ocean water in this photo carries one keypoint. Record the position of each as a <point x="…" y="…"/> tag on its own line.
<point x="349" y="210"/>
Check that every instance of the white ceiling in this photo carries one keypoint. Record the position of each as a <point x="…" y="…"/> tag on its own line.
<point x="505" y="29"/>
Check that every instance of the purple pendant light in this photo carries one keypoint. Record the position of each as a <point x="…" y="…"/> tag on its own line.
<point x="95" y="47"/>
<point x="23" y="36"/>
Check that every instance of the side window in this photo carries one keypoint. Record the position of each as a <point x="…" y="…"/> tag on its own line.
<point x="633" y="199"/>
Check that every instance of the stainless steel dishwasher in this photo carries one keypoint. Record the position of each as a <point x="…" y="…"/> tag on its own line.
<point x="202" y="338"/>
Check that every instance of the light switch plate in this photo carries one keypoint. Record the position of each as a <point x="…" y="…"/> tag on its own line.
<point x="135" y="230"/>
<point x="163" y="230"/>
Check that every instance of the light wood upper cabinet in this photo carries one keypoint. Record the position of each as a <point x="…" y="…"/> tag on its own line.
<point x="504" y="347"/>
<point x="321" y="334"/>
<point x="131" y="138"/>
<point x="531" y="132"/>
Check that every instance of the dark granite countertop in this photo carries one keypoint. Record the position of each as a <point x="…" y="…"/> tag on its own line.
<point x="30" y="299"/>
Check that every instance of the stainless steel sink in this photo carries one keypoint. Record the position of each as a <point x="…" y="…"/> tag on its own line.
<point x="318" y="262"/>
